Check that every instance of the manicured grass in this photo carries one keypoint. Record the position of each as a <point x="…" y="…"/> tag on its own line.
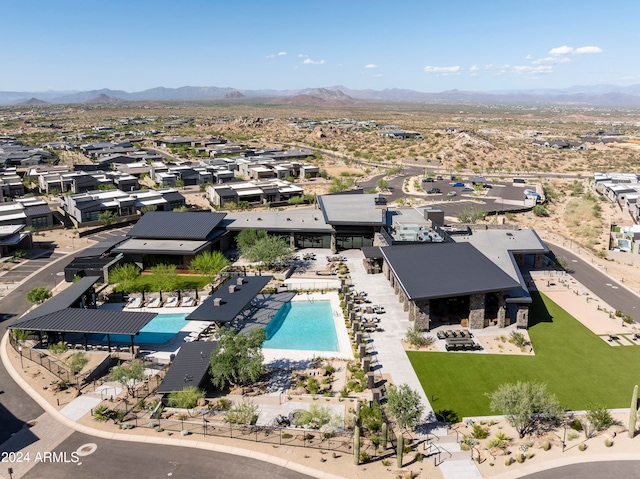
<point x="577" y="366"/>
<point x="183" y="283"/>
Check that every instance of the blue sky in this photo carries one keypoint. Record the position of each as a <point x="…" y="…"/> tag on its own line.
<point x="423" y="45"/>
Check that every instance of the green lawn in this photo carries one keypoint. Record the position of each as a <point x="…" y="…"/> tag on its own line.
<point x="578" y="366"/>
<point x="183" y="283"/>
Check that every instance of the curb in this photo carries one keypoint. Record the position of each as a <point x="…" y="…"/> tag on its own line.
<point x="49" y="409"/>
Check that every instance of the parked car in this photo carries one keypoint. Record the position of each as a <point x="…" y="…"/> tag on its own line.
<point x="432" y="191"/>
<point x="488" y="187"/>
<point x="439" y="178"/>
<point x="466" y="189"/>
<point x="451" y="193"/>
<point x="427" y="180"/>
<point x="457" y="184"/>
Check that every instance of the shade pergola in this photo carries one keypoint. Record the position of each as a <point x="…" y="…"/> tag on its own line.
<point x="189" y="368"/>
<point x="231" y="299"/>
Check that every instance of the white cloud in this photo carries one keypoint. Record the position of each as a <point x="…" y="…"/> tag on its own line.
<point x="279" y="54"/>
<point x="371" y="65"/>
<point x="443" y="70"/>
<point x="563" y="50"/>
<point x="309" y="61"/>
<point x="535" y="70"/>
<point x="497" y="69"/>
<point x="302" y="55"/>
<point x="474" y="68"/>
<point x="587" y="50"/>
<point x="551" y="60"/>
<point x="378" y="75"/>
<point x="528" y="57"/>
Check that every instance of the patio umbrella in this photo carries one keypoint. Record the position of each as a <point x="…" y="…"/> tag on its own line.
<point x="196" y="293"/>
<point x="143" y="295"/>
<point x="160" y="295"/>
<point x="179" y="296"/>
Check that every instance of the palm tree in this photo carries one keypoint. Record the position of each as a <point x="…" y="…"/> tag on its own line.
<point x="209" y="264"/>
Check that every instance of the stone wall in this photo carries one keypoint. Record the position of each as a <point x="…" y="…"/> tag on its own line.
<point x="476" y="311"/>
<point x="502" y="311"/>
<point x="522" y="316"/>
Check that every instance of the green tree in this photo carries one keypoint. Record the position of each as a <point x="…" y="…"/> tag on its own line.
<point x="247" y="238"/>
<point x="405" y="405"/>
<point x="383" y="184"/>
<point x="125" y="275"/>
<point x="269" y="250"/>
<point x="179" y="183"/>
<point x="340" y="184"/>
<point x="107" y="217"/>
<point x="21" y="334"/>
<point x="38" y="295"/>
<point x="209" y="264"/>
<point x="295" y="200"/>
<point x="527" y="405"/>
<point x="77" y="361"/>
<point x="597" y="418"/>
<point x="147" y="209"/>
<point x="164" y="277"/>
<point x="237" y="358"/>
<point x="187" y="398"/>
<point x="128" y="375"/>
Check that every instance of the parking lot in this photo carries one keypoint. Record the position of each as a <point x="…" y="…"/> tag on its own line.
<point x="500" y="197"/>
<point x="27" y="267"/>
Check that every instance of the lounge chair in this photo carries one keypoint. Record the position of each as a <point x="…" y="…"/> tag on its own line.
<point x="187" y="301"/>
<point x="154" y="303"/>
<point x="134" y="302"/>
<point x="172" y="302"/>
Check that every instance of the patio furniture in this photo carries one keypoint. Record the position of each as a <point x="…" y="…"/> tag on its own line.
<point x="154" y="303"/>
<point x="187" y="301"/>
<point x="172" y="302"/>
<point x="134" y="302"/>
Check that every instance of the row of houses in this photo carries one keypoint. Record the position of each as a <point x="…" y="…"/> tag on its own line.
<point x="14" y="154"/>
<point x="620" y="188"/>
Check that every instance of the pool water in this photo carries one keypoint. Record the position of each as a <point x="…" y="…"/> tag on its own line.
<point x="159" y="330"/>
<point x="303" y="325"/>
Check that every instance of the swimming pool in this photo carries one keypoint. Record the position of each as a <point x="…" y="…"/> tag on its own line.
<point x="158" y="331"/>
<point x="303" y="325"/>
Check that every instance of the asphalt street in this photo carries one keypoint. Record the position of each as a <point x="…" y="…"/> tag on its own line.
<point x="595" y="280"/>
<point x="591" y="470"/>
<point x="150" y="461"/>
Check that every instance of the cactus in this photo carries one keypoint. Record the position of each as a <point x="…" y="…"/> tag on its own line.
<point x="385" y="435"/>
<point x="400" y="449"/>
<point x="633" y="412"/>
<point x="357" y="412"/>
<point x="356" y="445"/>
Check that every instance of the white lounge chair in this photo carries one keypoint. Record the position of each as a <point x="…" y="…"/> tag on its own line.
<point x="154" y="303"/>
<point x="172" y="302"/>
<point x="134" y="302"/>
<point x="187" y="302"/>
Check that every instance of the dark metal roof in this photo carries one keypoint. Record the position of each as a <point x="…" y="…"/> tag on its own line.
<point x="189" y="368"/>
<point x="37" y="210"/>
<point x="371" y="252"/>
<point x="94" y="321"/>
<point x="232" y="304"/>
<point x="174" y="225"/>
<point x="88" y="205"/>
<point x="441" y="270"/>
<point x="62" y="300"/>
<point x="102" y="247"/>
<point x="175" y="196"/>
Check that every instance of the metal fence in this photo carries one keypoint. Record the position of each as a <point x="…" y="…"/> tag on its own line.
<point x="58" y="368"/>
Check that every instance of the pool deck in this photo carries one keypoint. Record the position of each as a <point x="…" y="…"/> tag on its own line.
<point x="272" y="356"/>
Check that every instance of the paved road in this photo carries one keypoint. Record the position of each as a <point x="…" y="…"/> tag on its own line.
<point x="151" y="461"/>
<point x="17" y="407"/>
<point x="600" y="284"/>
<point x="591" y="470"/>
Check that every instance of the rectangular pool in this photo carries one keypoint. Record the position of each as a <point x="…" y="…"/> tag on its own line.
<point x="159" y="330"/>
<point x="303" y="325"/>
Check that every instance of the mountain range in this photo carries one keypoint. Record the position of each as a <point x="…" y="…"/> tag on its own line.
<point x="577" y="96"/>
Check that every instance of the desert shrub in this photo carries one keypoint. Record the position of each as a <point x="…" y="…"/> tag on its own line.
<point x="546" y="445"/>
<point x="508" y="461"/>
<point x="244" y="413"/>
<point x="582" y="446"/>
<point x="608" y="442"/>
<point x="479" y="432"/>
<point x="576" y="425"/>
<point x="500" y="440"/>
<point x="572" y="436"/>
<point x="102" y="413"/>
<point x="364" y="457"/>
<point x="517" y="339"/>
<point x="520" y="458"/>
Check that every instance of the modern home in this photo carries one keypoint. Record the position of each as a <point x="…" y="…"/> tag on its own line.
<point x="87" y="207"/>
<point x="173" y="238"/>
<point x="30" y="212"/>
<point x="254" y="192"/>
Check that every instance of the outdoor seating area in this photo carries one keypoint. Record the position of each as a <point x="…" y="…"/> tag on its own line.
<point x="204" y="332"/>
<point x="462" y="344"/>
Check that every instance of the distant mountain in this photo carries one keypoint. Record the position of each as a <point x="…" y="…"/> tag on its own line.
<point x="594" y="95"/>
<point x="233" y="94"/>
<point x="102" y="98"/>
<point x="33" y="101"/>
